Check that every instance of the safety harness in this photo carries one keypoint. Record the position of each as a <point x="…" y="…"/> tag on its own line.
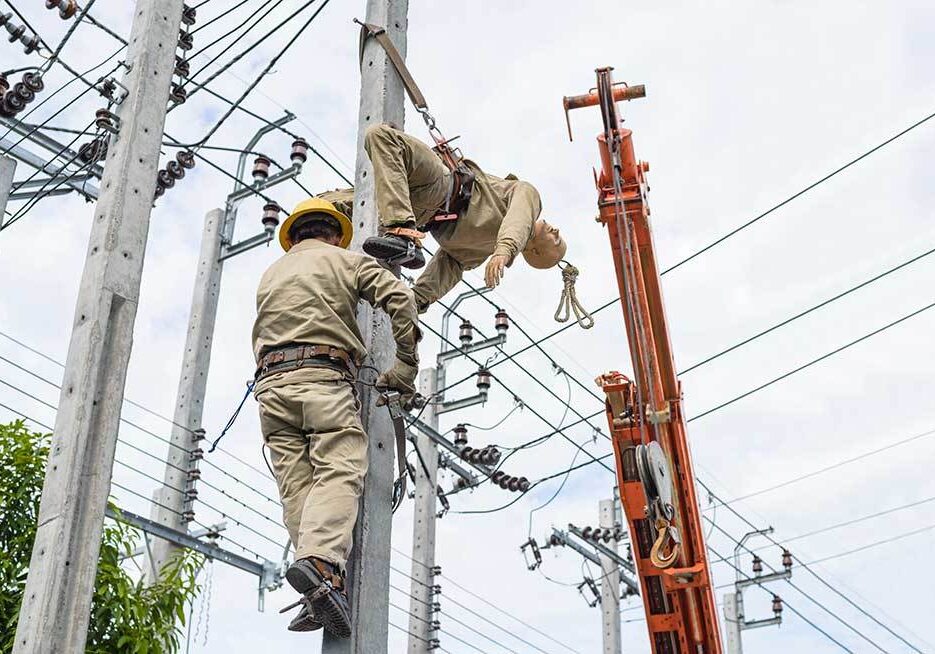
<point x="293" y="357"/>
<point x="459" y="194"/>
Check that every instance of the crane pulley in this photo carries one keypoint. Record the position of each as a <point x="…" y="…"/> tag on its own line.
<point x="653" y="460"/>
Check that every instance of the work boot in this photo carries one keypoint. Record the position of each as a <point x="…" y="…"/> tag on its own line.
<point x="398" y="246"/>
<point x="321" y="584"/>
<point x="305" y="620"/>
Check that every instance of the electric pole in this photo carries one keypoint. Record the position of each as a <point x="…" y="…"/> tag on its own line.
<point x="734" y="614"/>
<point x="7" y="167"/>
<point x="422" y="634"/>
<point x="172" y="508"/>
<point x="610" y="582"/>
<point x="368" y="582"/>
<point x="57" y="599"/>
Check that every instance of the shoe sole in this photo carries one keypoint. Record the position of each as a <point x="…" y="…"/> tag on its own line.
<point x="378" y="250"/>
<point x="333" y="617"/>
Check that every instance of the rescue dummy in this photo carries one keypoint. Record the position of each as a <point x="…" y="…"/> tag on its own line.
<point x="493" y="220"/>
<point x="307" y="346"/>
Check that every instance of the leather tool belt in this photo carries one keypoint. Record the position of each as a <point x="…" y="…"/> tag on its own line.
<point x="290" y="358"/>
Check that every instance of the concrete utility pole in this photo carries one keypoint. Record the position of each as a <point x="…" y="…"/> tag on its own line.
<point x="172" y="505"/>
<point x="610" y="583"/>
<point x="381" y="101"/>
<point x="7" y="168"/>
<point x="421" y="633"/>
<point x="732" y="620"/>
<point x="56" y="602"/>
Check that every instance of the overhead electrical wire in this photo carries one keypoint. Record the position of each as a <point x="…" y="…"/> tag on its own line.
<point x="811" y="363"/>
<point x="801" y="314"/>
<point x="814" y="574"/>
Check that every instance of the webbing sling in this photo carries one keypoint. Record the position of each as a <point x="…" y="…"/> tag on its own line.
<point x="452" y="157"/>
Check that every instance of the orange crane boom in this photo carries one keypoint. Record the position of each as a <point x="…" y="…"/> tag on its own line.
<point x="653" y="458"/>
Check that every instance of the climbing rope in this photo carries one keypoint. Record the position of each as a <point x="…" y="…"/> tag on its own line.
<point x="569" y="300"/>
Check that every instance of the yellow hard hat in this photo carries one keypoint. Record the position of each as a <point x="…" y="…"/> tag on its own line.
<point x="316" y="205"/>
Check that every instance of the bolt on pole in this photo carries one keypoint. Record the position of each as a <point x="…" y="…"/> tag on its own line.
<point x="57" y="600"/>
<point x="421" y="633"/>
<point x="610" y="583"/>
<point x="368" y="583"/>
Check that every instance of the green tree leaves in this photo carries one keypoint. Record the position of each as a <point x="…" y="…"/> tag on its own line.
<point x="127" y="617"/>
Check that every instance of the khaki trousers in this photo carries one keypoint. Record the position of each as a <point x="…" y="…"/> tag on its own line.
<point x="411" y="182"/>
<point x="318" y="452"/>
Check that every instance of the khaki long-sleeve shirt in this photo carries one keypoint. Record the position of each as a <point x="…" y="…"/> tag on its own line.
<point x="310" y="296"/>
<point x="499" y="220"/>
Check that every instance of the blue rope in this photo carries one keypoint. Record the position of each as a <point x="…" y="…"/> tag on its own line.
<point x="233" y="418"/>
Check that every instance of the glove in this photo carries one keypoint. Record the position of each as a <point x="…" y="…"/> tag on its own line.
<point x="401" y="377"/>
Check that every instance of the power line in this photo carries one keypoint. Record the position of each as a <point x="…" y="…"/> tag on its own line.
<point x="821" y="579"/>
<point x="811" y="363"/>
<point x="492" y="605"/>
<point x="809" y="310"/>
<point x="885" y="541"/>
<point x="827" y="468"/>
<point x="789" y="606"/>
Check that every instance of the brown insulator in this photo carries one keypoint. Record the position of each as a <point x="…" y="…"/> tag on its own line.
<point x="513" y="486"/>
<point x="523" y="484"/>
<point x="175" y="169"/>
<point x="188" y="15"/>
<point x="497" y="476"/>
<point x="186" y="41"/>
<point x="186" y="158"/>
<point x="194" y="474"/>
<point x="261" y="169"/>
<point x="494" y="454"/>
<point x="11" y="104"/>
<point x="460" y="431"/>
<point x="160" y="190"/>
<point x="182" y="67"/>
<point x="33" y="81"/>
<point x="95" y="150"/>
<point x="504" y="482"/>
<point x="777" y="605"/>
<point x="299" y="151"/>
<point x="108" y="88"/>
<point x="30" y="43"/>
<point x="188" y="516"/>
<point x="586" y="533"/>
<point x="270" y="219"/>
<point x="191" y="493"/>
<point x="466" y="453"/>
<point x="4" y="84"/>
<point x="106" y="120"/>
<point x="178" y="94"/>
<point x="786" y="559"/>
<point x="483" y="380"/>
<point x="757" y="565"/>
<point x="24" y="93"/>
<point x="197" y="454"/>
<point x="502" y="321"/>
<point x="167" y="180"/>
<point x="466" y="333"/>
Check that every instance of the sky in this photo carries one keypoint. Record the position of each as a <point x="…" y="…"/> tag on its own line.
<point x="747" y="104"/>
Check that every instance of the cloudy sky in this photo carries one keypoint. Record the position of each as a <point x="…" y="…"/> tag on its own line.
<point x="747" y="103"/>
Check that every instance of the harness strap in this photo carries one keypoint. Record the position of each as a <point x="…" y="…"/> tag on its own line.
<point x="379" y="33"/>
<point x="397" y="415"/>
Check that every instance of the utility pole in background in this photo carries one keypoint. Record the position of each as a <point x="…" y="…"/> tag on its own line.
<point x="7" y="168"/>
<point x="734" y="616"/>
<point x="175" y="499"/>
<point x="610" y="581"/>
<point x="172" y="508"/>
<point x="368" y="582"/>
<point x="57" y="600"/>
<point x="423" y="636"/>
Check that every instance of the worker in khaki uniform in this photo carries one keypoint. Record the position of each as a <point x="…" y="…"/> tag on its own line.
<point x="474" y="216"/>
<point x="308" y="346"/>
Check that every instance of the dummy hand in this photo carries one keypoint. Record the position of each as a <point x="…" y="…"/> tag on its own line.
<point x="401" y="377"/>
<point x="495" y="268"/>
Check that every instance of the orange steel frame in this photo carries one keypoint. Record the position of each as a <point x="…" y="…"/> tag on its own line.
<point x="681" y="613"/>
